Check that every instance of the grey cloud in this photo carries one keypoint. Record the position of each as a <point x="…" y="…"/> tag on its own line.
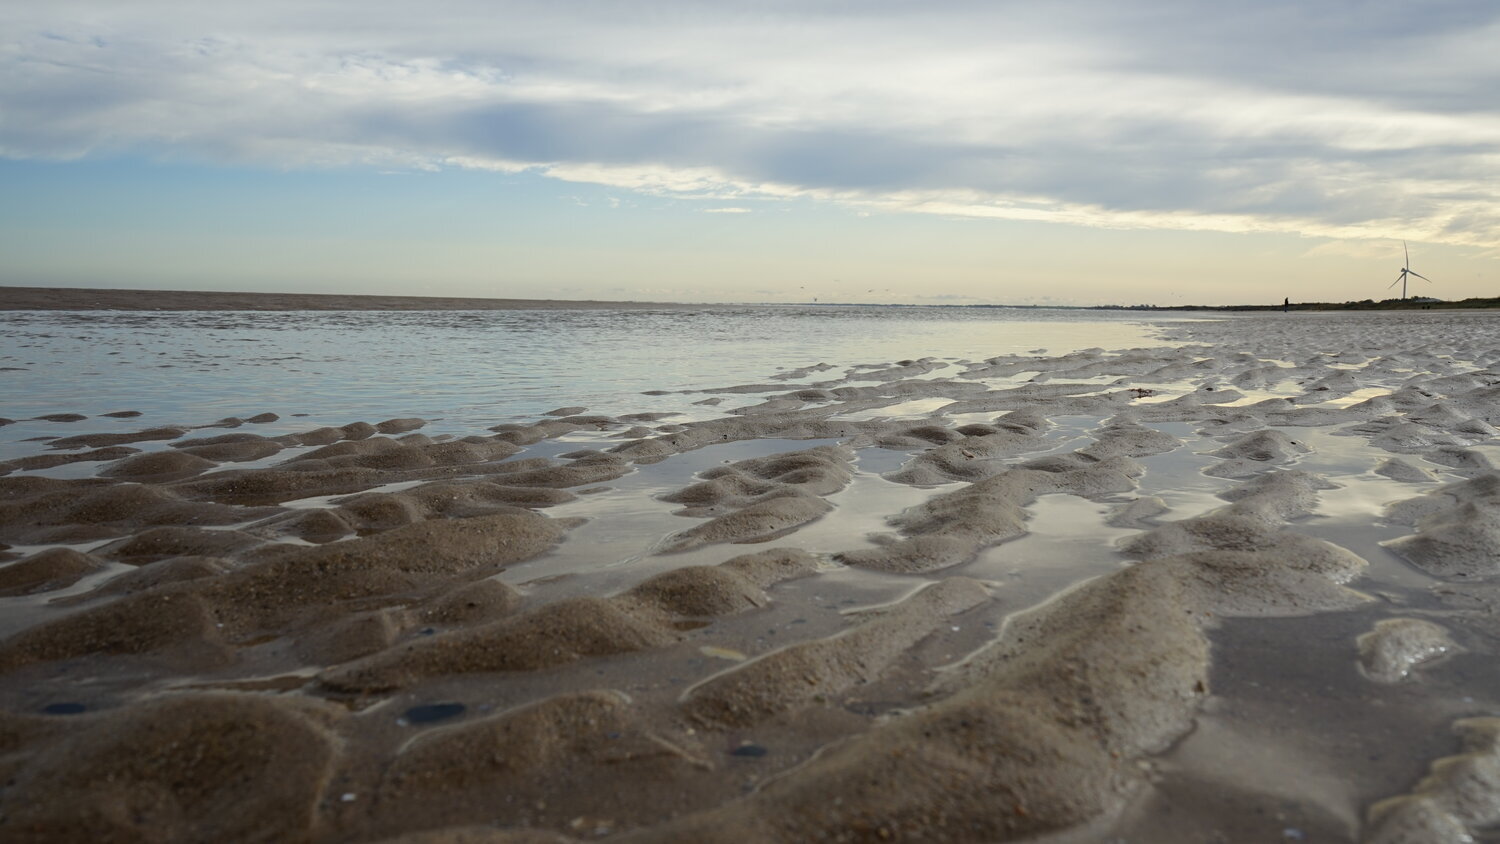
<point x="1332" y="114"/>
<point x="1394" y="51"/>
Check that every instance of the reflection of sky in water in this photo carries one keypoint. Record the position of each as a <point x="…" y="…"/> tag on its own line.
<point x="476" y="368"/>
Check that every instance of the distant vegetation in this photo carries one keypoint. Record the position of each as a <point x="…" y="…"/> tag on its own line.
<point x="1416" y="303"/>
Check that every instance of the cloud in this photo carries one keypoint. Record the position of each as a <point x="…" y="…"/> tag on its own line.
<point x="1348" y="120"/>
<point x="727" y="210"/>
<point x="1366" y="250"/>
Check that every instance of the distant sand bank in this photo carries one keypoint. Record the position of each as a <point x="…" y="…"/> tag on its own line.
<point x="82" y="298"/>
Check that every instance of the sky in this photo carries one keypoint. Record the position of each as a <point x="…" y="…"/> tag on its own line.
<point x="1069" y="152"/>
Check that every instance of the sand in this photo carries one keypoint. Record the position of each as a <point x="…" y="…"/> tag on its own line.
<point x="1235" y="588"/>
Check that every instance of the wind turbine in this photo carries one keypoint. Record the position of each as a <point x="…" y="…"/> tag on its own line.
<point x="1406" y="272"/>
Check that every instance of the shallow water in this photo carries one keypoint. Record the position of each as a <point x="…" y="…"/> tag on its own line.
<point x="475" y="368"/>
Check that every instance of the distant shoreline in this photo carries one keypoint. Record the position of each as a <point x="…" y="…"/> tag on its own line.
<point x="85" y="299"/>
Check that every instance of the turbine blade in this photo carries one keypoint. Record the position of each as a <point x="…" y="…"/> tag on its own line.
<point x="1423" y="277"/>
<point x="1394" y="283"/>
<point x="1406" y="252"/>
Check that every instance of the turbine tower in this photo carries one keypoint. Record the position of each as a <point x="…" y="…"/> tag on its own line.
<point x="1401" y="279"/>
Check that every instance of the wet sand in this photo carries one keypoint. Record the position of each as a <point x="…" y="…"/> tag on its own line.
<point x="1238" y="588"/>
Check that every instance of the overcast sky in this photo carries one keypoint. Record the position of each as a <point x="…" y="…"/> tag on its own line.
<point x="1084" y="151"/>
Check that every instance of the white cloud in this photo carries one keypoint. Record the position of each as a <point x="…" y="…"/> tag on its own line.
<point x="1347" y="120"/>
<point x="727" y="210"/>
<point x="1360" y="249"/>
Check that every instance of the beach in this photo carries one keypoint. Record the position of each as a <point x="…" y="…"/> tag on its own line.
<point x="1154" y="581"/>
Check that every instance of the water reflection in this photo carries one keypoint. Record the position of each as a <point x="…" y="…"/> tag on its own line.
<point x="477" y="368"/>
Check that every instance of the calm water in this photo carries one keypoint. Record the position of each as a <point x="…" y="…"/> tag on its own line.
<point x="473" y="369"/>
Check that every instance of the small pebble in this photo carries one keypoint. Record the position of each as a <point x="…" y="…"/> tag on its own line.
<point x="752" y="750"/>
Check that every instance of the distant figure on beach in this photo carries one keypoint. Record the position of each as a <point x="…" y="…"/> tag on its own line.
<point x="1286" y="304"/>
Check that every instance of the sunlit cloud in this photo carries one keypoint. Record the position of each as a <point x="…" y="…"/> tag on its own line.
<point x="1367" y="250"/>
<point x="1342" y="120"/>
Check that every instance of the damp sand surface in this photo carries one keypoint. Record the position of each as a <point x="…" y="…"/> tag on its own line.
<point x="838" y="576"/>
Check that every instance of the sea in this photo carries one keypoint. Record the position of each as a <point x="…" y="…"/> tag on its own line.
<point x="467" y="370"/>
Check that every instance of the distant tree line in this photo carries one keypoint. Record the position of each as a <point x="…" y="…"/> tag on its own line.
<point x="1413" y="304"/>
